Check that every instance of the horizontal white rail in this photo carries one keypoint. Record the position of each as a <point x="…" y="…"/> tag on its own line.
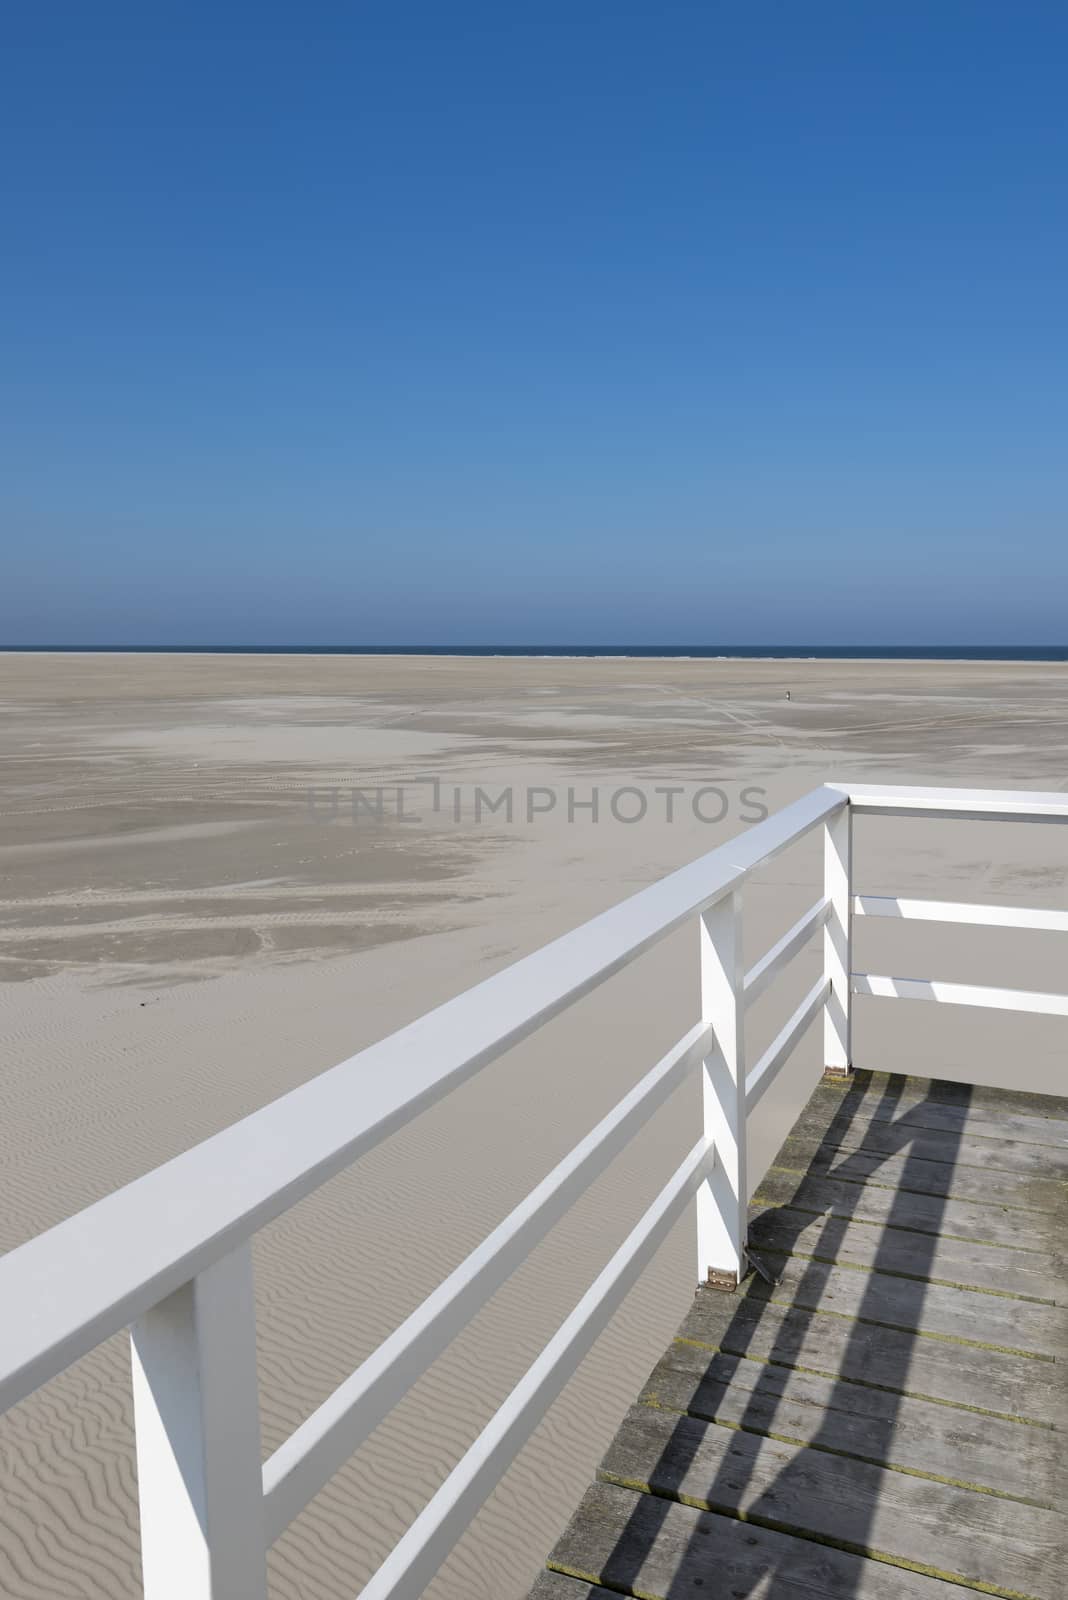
<point x="960" y="994"/>
<point x="88" y="1277"/>
<point x="768" y="967"/>
<point x="415" y="1559"/>
<point x="996" y="805"/>
<point x="775" y="1056"/>
<point x="308" y="1459"/>
<point x="913" y="910"/>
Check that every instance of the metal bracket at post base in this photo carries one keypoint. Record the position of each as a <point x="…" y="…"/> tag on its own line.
<point x="727" y="1282"/>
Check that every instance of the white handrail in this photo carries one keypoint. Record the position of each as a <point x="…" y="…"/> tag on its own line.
<point x="995" y="805"/>
<point x="171" y="1253"/>
<point x="92" y="1274"/>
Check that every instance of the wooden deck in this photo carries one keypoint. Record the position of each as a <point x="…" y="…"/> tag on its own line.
<point x="889" y="1419"/>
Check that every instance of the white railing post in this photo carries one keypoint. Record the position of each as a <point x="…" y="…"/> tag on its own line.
<point x="838" y="942"/>
<point x="196" y="1408"/>
<point x="722" y="1200"/>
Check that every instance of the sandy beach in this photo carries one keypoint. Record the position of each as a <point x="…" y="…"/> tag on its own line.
<point x="219" y="875"/>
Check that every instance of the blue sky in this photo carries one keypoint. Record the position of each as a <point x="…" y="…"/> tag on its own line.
<point x="584" y="322"/>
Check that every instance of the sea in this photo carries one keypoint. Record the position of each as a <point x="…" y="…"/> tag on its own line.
<point x="683" y="652"/>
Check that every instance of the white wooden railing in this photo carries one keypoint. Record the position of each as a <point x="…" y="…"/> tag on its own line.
<point x="170" y="1255"/>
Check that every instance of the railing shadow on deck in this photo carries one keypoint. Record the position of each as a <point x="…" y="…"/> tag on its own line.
<point x="765" y="1397"/>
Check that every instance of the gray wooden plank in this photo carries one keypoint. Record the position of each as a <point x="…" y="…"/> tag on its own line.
<point x="638" y="1544"/>
<point x="944" y="1530"/>
<point x="898" y="1092"/>
<point x="893" y="1138"/>
<point x="1008" y="1116"/>
<point x="554" y="1586"/>
<point x="959" y="1375"/>
<point x="924" y="1308"/>
<point x="930" y="1214"/>
<point x="975" y="1123"/>
<point x="916" y="1255"/>
<point x="980" y="1124"/>
<point x="852" y="1419"/>
<point x="1048" y="1196"/>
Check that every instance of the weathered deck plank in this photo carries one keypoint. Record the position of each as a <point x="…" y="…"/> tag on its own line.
<point x="894" y="1136"/>
<point x="855" y="1420"/>
<point x="943" y="1529"/>
<point x="555" y="1586"/>
<point x="957" y="1219"/>
<point x="893" y="1094"/>
<point x="1043" y="1197"/>
<point x="974" y="1125"/>
<point x="998" y="1269"/>
<point x="638" y="1544"/>
<point x="974" y="1378"/>
<point x="890" y="1418"/>
<point x="929" y="1309"/>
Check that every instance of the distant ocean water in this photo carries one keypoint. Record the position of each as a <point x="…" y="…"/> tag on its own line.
<point x="703" y="652"/>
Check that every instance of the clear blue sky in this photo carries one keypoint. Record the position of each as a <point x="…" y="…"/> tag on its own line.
<point x="534" y="322"/>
